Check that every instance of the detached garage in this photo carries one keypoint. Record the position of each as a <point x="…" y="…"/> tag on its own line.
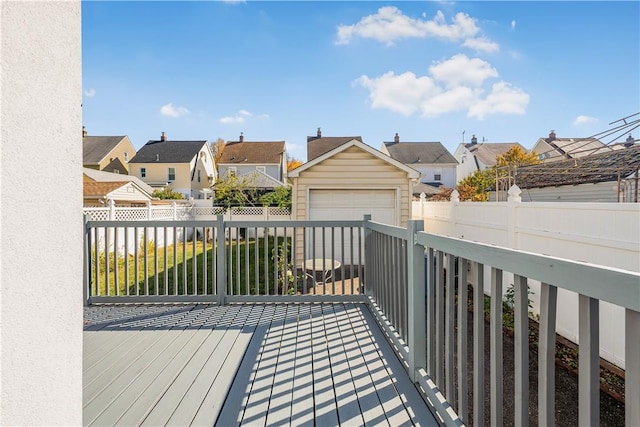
<point x="350" y="181"/>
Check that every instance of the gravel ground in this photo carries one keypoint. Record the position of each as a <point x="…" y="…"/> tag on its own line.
<point x="611" y="411"/>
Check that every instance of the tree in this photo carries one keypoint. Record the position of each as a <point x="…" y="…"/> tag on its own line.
<point x="167" y="193"/>
<point x="293" y="163"/>
<point x="475" y="187"/>
<point x="217" y="147"/>
<point x="516" y="156"/>
<point x="443" y="195"/>
<point x="280" y="197"/>
<point x="232" y="190"/>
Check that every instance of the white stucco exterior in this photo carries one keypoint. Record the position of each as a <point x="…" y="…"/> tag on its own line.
<point x="41" y="259"/>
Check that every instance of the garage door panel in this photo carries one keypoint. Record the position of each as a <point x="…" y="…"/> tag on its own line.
<point x="348" y="204"/>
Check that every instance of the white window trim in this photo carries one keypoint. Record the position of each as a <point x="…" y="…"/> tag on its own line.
<point x="169" y="174"/>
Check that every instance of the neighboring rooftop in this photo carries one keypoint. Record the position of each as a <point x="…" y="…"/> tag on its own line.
<point x="252" y="152"/>
<point x="100" y="176"/>
<point x="318" y="145"/>
<point x="569" y="148"/>
<point x="96" y="148"/>
<point x="604" y="167"/>
<point x="487" y="152"/>
<point x="419" y="152"/>
<point x="165" y="151"/>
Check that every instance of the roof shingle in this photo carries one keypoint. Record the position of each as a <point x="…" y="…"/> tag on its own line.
<point x="420" y="152"/>
<point x="168" y="152"/>
<point x="317" y="146"/>
<point x="252" y="152"/>
<point x="96" y="148"/>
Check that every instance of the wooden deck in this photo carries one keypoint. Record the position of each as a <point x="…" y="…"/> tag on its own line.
<point x="262" y="364"/>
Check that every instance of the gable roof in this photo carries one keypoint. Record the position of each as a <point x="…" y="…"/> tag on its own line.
<point x="319" y="145"/>
<point x="101" y="176"/>
<point x="420" y="152"/>
<point x="603" y="167"/>
<point x="252" y="152"/>
<point x="168" y="151"/>
<point x="412" y="173"/>
<point x="487" y="152"/>
<point x="96" y="148"/>
<point x="570" y="147"/>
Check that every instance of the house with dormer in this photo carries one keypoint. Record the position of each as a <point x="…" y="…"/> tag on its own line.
<point x="107" y="153"/>
<point x="184" y="166"/>
<point x="478" y="156"/>
<point x="436" y="164"/>
<point x="262" y="163"/>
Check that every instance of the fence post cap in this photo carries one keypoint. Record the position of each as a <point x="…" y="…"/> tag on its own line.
<point x="455" y="196"/>
<point x="514" y="194"/>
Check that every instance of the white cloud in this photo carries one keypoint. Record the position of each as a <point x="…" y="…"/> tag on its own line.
<point x="583" y="120"/>
<point x="513" y="25"/>
<point x="171" y="111"/>
<point x="90" y="93"/>
<point x="503" y="99"/>
<point x="240" y="117"/>
<point x="481" y="44"/>
<point x="400" y="93"/>
<point x="460" y="70"/>
<point x="390" y="24"/>
<point x="457" y="84"/>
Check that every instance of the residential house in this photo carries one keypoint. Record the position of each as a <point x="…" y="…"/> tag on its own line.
<point x="606" y="177"/>
<point x="318" y="145"/>
<point x="476" y="156"/>
<point x="184" y="166"/>
<point x="107" y="153"/>
<point x="350" y="180"/>
<point x="263" y="163"/>
<point x="435" y="163"/>
<point x="123" y="192"/>
<point x="552" y="148"/>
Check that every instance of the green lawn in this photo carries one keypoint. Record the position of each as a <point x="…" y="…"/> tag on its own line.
<point x="176" y="269"/>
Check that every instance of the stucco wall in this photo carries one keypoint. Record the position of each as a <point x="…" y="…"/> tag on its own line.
<point x="40" y="259"/>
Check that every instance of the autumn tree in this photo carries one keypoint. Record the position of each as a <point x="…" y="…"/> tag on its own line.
<point x="167" y="193"/>
<point x="516" y="157"/>
<point x="293" y="163"/>
<point x="475" y="187"/>
<point x="217" y="147"/>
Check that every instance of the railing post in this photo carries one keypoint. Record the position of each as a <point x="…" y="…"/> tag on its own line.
<point x="367" y="262"/>
<point x="86" y="290"/>
<point x="588" y="361"/>
<point x="632" y="368"/>
<point x="416" y="299"/>
<point x="221" y="271"/>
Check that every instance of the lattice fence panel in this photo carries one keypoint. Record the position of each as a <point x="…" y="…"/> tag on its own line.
<point x="97" y="214"/>
<point x="131" y="214"/>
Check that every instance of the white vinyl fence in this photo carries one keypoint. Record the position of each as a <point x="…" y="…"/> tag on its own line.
<point x="606" y="234"/>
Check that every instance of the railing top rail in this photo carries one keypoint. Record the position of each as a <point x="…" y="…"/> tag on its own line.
<point x="214" y="222"/>
<point x="293" y="223"/>
<point x="391" y="230"/>
<point x="616" y="286"/>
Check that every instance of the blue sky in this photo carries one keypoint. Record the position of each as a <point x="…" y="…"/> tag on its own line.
<point x="505" y="71"/>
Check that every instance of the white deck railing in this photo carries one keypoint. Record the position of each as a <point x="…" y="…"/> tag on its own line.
<point x="408" y="278"/>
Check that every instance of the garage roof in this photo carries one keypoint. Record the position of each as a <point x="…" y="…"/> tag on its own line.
<point x="412" y="173"/>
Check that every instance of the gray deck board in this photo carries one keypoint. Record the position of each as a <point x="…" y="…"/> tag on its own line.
<point x="253" y="364"/>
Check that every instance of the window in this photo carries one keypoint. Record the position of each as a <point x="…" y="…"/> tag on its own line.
<point x="232" y="171"/>
<point x="126" y="156"/>
<point x="143" y="173"/>
<point x="261" y="169"/>
<point x="437" y="175"/>
<point x="198" y="175"/>
<point x="171" y="174"/>
<point x="116" y="171"/>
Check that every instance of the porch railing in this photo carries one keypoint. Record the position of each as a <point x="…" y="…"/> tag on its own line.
<point x="417" y="284"/>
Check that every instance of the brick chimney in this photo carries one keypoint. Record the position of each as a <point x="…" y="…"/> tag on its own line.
<point x="319" y="133"/>
<point x="552" y="135"/>
<point x="84" y="131"/>
<point x="163" y="137"/>
<point x="241" y="136"/>
<point x="474" y="140"/>
<point x="396" y="138"/>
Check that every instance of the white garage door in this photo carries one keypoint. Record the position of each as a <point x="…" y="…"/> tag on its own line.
<point x="353" y="204"/>
<point x="346" y="204"/>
